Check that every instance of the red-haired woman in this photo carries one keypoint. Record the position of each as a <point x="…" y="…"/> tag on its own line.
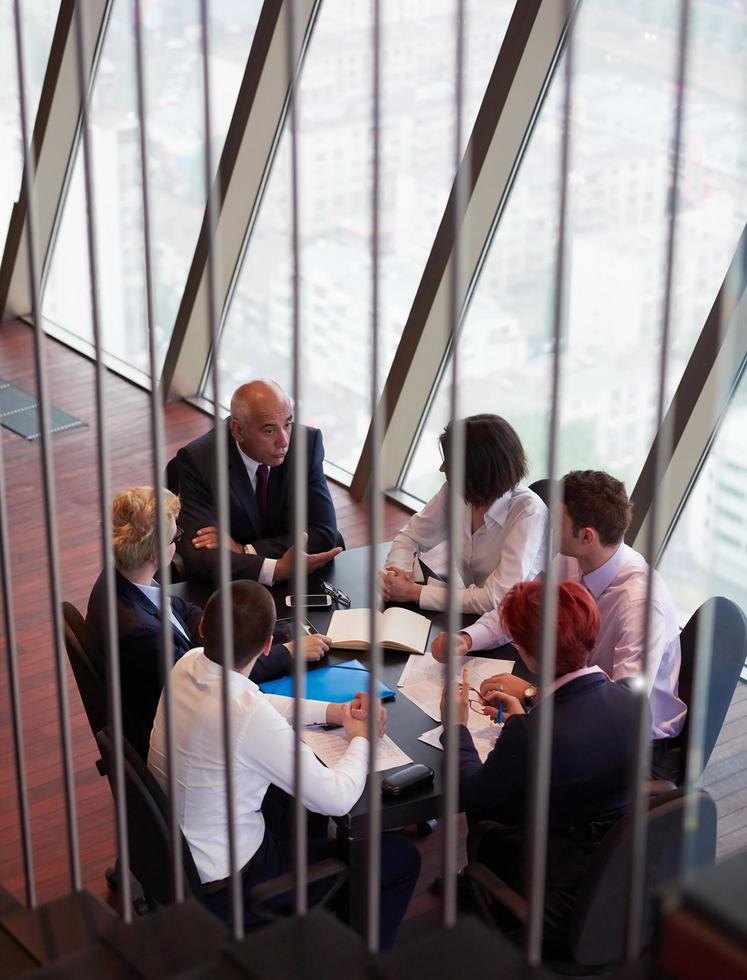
<point x="593" y="746"/>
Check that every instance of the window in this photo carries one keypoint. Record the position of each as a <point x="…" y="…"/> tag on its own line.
<point x="707" y="552"/>
<point x="619" y="189"/>
<point x="171" y="39"/>
<point x="38" y="22"/>
<point x="335" y="151"/>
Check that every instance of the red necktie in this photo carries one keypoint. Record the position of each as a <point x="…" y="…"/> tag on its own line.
<point x="263" y="475"/>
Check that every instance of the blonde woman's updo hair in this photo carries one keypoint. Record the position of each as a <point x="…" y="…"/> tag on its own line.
<point x="134" y="525"/>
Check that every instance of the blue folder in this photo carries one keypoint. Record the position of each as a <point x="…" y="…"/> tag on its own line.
<point x="336" y="683"/>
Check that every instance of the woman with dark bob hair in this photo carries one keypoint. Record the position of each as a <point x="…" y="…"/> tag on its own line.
<point x="503" y="526"/>
<point x="593" y="751"/>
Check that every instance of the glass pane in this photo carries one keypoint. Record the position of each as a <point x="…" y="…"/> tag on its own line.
<point x="335" y="202"/>
<point x="38" y="22"/>
<point x="707" y="552"/>
<point x="619" y="196"/>
<point x="175" y="170"/>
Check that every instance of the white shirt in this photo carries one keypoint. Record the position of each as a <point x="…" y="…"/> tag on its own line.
<point x="267" y="571"/>
<point x="620" y="587"/>
<point x="264" y="749"/>
<point x="507" y="548"/>
<point x="153" y="592"/>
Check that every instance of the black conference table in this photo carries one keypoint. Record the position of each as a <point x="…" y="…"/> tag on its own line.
<point x="405" y="722"/>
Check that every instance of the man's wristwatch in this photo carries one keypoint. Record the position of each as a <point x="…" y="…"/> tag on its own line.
<point x="530" y="693"/>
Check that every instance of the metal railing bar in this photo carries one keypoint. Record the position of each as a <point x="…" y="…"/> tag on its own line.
<point x="300" y="849"/>
<point x="113" y="682"/>
<point x="376" y="494"/>
<point x="634" y="925"/>
<point x="166" y="648"/>
<point x="541" y="749"/>
<point x="40" y="365"/>
<point x="11" y="649"/>
<point x="221" y="484"/>
<point x="455" y="465"/>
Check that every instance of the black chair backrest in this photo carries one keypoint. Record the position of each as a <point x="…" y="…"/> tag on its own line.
<point x="172" y="475"/>
<point x="148" y="830"/>
<point x="598" y="927"/>
<point x="542" y="489"/>
<point x="719" y="625"/>
<point x="85" y="660"/>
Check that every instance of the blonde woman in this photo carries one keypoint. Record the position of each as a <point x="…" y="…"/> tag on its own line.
<point x="140" y="607"/>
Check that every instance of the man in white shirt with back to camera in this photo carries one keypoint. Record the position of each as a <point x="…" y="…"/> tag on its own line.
<point x="263" y="755"/>
<point x="596" y="515"/>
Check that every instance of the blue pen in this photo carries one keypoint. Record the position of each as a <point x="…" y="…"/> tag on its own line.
<point x="499" y="716"/>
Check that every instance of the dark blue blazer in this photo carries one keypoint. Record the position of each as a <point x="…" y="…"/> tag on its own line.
<point x="197" y="490"/>
<point x="593" y="748"/>
<point x="139" y="629"/>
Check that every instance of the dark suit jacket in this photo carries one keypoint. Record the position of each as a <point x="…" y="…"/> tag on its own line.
<point x="197" y="490"/>
<point x="139" y="625"/>
<point x="593" y="749"/>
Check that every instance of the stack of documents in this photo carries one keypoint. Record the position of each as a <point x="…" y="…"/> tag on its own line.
<point x="423" y="680"/>
<point x="330" y="745"/>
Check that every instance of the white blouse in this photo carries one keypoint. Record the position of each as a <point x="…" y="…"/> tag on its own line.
<point x="509" y="547"/>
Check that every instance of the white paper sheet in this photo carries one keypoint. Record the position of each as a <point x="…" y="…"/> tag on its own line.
<point x="426" y="668"/>
<point x="426" y="696"/>
<point x="330" y="746"/>
<point x="484" y="738"/>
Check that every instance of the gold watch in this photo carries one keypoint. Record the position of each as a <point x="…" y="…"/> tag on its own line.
<point x="530" y="693"/>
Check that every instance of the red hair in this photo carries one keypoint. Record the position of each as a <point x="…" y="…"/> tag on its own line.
<point x="577" y="622"/>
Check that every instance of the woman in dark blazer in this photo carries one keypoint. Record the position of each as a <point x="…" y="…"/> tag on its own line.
<point x="593" y="748"/>
<point x="140" y="608"/>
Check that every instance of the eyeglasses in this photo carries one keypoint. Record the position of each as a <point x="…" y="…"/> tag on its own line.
<point x="178" y="535"/>
<point x="337" y="594"/>
<point x="477" y="706"/>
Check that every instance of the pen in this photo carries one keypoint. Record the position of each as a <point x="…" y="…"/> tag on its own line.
<point x="499" y="716"/>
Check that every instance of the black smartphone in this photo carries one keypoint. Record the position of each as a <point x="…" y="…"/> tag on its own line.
<point x="407" y="779"/>
<point x="283" y="631"/>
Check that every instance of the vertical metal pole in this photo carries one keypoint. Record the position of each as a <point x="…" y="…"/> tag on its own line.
<point x="11" y="650"/>
<point x="102" y="445"/>
<point x="29" y="174"/>
<point x="661" y="455"/>
<point x="376" y="497"/>
<point x="541" y="749"/>
<point x="166" y="649"/>
<point x="455" y="466"/>
<point x="300" y="469"/>
<point x="221" y="484"/>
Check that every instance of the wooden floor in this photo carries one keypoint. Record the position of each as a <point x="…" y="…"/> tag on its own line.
<point x="78" y="548"/>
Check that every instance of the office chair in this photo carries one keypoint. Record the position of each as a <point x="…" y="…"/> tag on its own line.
<point x="149" y="840"/>
<point x="171" y="476"/>
<point x="542" y="489"/>
<point x="88" y="668"/>
<point x="597" y="925"/>
<point x="727" y="639"/>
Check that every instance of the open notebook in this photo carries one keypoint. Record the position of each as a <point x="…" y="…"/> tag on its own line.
<point x="398" y="629"/>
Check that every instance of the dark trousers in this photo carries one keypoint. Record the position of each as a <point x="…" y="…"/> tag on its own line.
<point x="666" y="760"/>
<point x="400" y="866"/>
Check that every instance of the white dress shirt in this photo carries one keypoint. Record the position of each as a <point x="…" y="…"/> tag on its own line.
<point x="263" y="754"/>
<point x="507" y="548"/>
<point x="153" y="592"/>
<point x="620" y="587"/>
<point x="267" y="571"/>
